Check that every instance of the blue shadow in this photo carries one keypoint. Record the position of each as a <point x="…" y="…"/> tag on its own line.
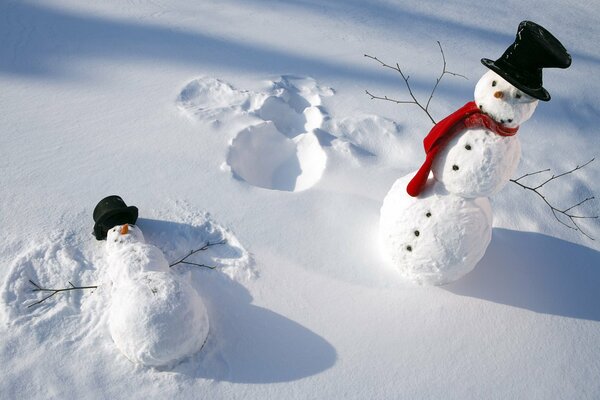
<point x="538" y="273"/>
<point x="41" y="41"/>
<point x="246" y="343"/>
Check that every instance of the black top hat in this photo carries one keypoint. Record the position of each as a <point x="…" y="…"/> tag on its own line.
<point x="112" y="211"/>
<point x="521" y="64"/>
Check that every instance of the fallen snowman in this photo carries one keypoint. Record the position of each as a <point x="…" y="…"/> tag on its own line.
<point x="156" y="317"/>
<point x="436" y="224"/>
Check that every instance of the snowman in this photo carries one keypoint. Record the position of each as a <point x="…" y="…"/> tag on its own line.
<point x="156" y="318"/>
<point x="436" y="224"/>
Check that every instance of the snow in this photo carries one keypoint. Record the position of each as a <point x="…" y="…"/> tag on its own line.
<point x="437" y="237"/>
<point x="302" y="303"/>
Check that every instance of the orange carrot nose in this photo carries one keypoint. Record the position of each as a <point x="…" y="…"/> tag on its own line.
<point x="499" y="94"/>
<point x="124" y="229"/>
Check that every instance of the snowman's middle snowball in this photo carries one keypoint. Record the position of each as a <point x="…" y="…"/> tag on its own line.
<point x="477" y="163"/>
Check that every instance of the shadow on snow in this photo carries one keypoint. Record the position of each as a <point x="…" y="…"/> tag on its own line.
<point x="247" y="343"/>
<point x="538" y="273"/>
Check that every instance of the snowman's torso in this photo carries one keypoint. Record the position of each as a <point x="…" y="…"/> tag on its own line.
<point x="126" y="262"/>
<point x="477" y="163"/>
<point x="156" y="317"/>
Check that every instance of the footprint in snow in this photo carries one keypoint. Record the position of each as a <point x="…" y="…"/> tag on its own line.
<point x="280" y="151"/>
<point x="287" y="132"/>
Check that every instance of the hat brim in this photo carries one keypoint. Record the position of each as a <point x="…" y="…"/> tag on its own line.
<point x="538" y="93"/>
<point x="127" y="215"/>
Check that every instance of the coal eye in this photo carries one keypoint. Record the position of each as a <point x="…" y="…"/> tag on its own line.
<point x="518" y="95"/>
<point x="494" y="83"/>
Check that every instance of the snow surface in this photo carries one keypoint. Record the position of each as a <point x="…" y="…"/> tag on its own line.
<point x="96" y="100"/>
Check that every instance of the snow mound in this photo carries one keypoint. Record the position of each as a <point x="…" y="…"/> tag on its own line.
<point x="277" y="149"/>
<point x="287" y="133"/>
<point x="210" y="98"/>
<point x="294" y="104"/>
<point x="262" y="156"/>
<point x="370" y="138"/>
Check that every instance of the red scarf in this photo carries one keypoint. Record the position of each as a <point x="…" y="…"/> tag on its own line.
<point x="467" y="117"/>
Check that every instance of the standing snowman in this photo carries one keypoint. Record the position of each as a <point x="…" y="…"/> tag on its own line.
<point x="435" y="229"/>
<point x="156" y="318"/>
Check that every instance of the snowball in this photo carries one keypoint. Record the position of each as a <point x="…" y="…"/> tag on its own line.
<point x="477" y="163"/>
<point x="434" y="238"/>
<point x="157" y="319"/>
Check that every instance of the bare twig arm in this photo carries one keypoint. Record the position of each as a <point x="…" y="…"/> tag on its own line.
<point x="373" y="97"/>
<point x="206" y="246"/>
<point x="564" y="173"/>
<point x="52" y="292"/>
<point x="439" y="79"/>
<point x="414" y="100"/>
<point x="405" y="78"/>
<point x="555" y="210"/>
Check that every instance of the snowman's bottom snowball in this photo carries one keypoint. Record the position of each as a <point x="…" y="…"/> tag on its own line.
<point x="435" y="238"/>
<point x="157" y="319"/>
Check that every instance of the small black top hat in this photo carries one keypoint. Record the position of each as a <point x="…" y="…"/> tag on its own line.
<point x="521" y="64"/>
<point x="112" y="211"/>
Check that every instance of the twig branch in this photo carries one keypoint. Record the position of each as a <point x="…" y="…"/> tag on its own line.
<point x="52" y="292"/>
<point x="206" y="246"/>
<point x="410" y="92"/>
<point x="444" y="72"/>
<point x="556" y="211"/>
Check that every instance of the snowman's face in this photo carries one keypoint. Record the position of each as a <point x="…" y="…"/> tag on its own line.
<point x="502" y="101"/>
<point x="124" y="234"/>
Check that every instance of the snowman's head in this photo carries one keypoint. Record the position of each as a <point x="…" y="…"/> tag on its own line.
<point x="121" y="235"/>
<point x="502" y="101"/>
